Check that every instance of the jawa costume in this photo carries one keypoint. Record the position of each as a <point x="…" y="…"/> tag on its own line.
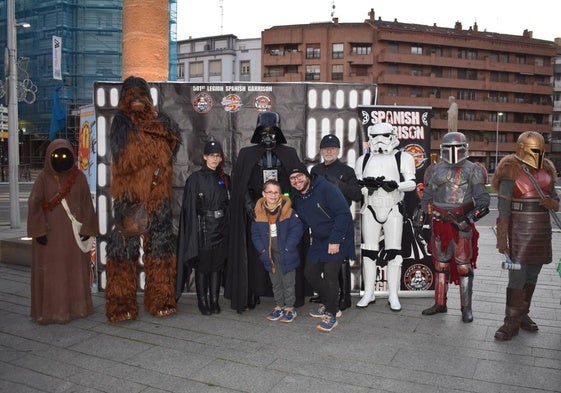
<point x="524" y="225"/>
<point x="246" y="278"/>
<point x="60" y="286"/>
<point x="143" y="144"/>
<point x="203" y="229"/>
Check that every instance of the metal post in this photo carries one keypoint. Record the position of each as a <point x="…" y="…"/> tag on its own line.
<point x="13" y="134"/>
<point x="499" y="114"/>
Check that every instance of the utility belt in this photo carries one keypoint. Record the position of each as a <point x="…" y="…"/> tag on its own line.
<point x="446" y="215"/>
<point x="526" y="205"/>
<point x="211" y="213"/>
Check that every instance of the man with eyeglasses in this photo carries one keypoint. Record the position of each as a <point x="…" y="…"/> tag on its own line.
<point x="343" y="176"/>
<point x="323" y="208"/>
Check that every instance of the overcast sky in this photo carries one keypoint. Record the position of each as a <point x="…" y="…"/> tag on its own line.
<point x="247" y="18"/>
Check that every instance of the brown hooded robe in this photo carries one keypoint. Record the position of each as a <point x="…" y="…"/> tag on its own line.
<point x="60" y="287"/>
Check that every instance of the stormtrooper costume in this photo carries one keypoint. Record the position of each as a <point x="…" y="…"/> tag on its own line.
<point x="385" y="174"/>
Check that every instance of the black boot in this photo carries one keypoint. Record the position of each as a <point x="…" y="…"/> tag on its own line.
<point x="214" y="292"/>
<point x="252" y="300"/>
<point x="345" y="286"/>
<point x="201" y="283"/>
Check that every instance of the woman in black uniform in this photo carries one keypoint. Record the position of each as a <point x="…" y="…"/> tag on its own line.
<point x="203" y="229"/>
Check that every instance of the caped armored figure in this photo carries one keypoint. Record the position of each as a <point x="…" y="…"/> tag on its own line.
<point x="455" y="196"/>
<point x="385" y="174"/>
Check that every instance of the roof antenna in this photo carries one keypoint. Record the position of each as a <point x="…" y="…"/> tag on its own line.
<point x="332" y="9"/>
<point x="221" y="17"/>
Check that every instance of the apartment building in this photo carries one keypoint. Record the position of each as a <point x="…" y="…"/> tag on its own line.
<point x="502" y="83"/>
<point x="223" y="58"/>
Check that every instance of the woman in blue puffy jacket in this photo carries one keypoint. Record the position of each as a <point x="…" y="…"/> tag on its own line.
<point x="276" y="233"/>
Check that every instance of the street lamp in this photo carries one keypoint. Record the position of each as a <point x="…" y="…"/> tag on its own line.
<point x="499" y="114"/>
<point x="13" y="132"/>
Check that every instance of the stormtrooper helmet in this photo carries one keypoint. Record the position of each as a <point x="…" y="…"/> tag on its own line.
<point x="454" y="148"/>
<point x="382" y="138"/>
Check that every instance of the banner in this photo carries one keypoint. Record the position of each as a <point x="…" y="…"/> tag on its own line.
<point x="228" y="113"/>
<point x="57" y="58"/>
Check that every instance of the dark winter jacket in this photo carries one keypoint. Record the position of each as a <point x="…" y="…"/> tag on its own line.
<point x="325" y="210"/>
<point x="343" y="176"/>
<point x="289" y="232"/>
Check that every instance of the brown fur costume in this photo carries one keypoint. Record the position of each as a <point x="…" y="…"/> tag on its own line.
<point x="143" y="144"/>
<point x="510" y="168"/>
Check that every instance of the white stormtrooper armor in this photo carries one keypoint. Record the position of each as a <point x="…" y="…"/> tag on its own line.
<point x="383" y="188"/>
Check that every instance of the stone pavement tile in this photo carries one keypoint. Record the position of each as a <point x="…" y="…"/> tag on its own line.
<point x="300" y="383"/>
<point x="517" y="375"/>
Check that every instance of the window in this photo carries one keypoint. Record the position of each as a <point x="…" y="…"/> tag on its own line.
<point x="472" y="54"/>
<point x="180" y="71"/>
<point x="468" y="95"/>
<point x="337" y="51"/>
<point x="312" y="73"/>
<point x="291" y="47"/>
<point x="467" y="74"/>
<point x="215" y="68"/>
<point x="361" y="49"/>
<point x="437" y="71"/>
<point x="196" y="69"/>
<point x="520" y="59"/>
<point x="359" y="71"/>
<point x="393" y="69"/>
<point x="291" y="69"/>
<point x="416" y="71"/>
<point x="337" y="72"/>
<point x="393" y="47"/>
<point x="415" y="92"/>
<point x="275" y="71"/>
<point x="244" y="68"/>
<point x="392" y="91"/>
<point x="416" y="50"/>
<point x="313" y="51"/>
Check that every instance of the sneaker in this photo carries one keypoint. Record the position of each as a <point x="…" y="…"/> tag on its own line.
<point x="328" y="322"/>
<point x="288" y="316"/>
<point x="320" y="312"/>
<point x="276" y="314"/>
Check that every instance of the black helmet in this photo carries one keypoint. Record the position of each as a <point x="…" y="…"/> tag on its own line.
<point x="268" y="121"/>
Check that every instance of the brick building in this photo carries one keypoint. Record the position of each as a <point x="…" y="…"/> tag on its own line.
<point x="502" y="83"/>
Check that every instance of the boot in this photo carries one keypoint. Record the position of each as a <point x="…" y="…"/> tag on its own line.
<point x="252" y="300"/>
<point x="440" y="289"/>
<point x="394" y="280"/>
<point x="466" y="290"/>
<point x="369" y="278"/>
<point x="345" y="286"/>
<point x="214" y="292"/>
<point x="513" y="313"/>
<point x="201" y="284"/>
<point x="526" y="322"/>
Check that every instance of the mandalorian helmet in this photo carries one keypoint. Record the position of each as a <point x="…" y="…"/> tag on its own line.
<point x="454" y="148"/>
<point x="62" y="159"/>
<point x="531" y="149"/>
<point x="268" y="132"/>
<point x="382" y="138"/>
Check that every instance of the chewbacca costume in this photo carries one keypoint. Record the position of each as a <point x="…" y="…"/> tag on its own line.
<point x="143" y="144"/>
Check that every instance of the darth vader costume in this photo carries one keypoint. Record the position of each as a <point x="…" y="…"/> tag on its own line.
<point x="268" y="158"/>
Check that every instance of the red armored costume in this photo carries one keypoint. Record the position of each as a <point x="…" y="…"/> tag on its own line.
<point x="143" y="145"/>
<point x="525" y="182"/>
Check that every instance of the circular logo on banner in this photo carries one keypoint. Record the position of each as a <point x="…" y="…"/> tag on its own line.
<point x="418" y="154"/>
<point x="202" y="103"/>
<point x="418" y="277"/>
<point x="263" y="103"/>
<point x="232" y="103"/>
